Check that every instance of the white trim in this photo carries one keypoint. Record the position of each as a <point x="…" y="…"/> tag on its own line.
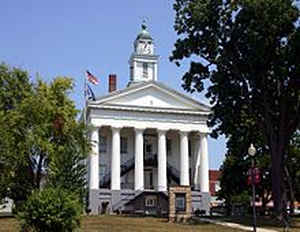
<point x="163" y="125"/>
<point x="156" y="110"/>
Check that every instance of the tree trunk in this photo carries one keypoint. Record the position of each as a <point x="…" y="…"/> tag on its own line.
<point x="39" y="172"/>
<point x="263" y="206"/>
<point x="277" y="180"/>
<point x="292" y="195"/>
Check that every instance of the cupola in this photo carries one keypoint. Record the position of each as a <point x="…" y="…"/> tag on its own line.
<point x="143" y="62"/>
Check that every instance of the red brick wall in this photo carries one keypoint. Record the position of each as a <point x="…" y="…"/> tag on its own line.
<point x="214" y="176"/>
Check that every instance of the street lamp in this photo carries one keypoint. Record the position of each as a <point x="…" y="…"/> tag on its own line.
<point x="252" y="152"/>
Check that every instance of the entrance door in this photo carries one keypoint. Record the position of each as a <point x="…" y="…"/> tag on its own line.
<point x="150" y="151"/>
<point x="148" y="179"/>
<point x="148" y="147"/>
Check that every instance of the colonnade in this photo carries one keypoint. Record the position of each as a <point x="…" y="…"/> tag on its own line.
<point x="201" y="177"/>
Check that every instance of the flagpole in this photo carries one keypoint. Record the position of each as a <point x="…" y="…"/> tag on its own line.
<point x="94" y="80"/>
<point x="85" y="101"/>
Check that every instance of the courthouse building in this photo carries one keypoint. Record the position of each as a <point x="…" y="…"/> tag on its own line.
<point x="146" y="138"/>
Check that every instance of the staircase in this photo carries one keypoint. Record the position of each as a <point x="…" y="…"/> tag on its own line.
<point x="125" y="167"/>
<point x="150" y="160"/>
<point x="173" y="173"/>
<point x="125" y="197"/>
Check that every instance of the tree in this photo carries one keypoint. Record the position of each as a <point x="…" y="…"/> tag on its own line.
<point x="234" y="178"/>
<point x="236" y="165"/>
<point x="39" y="133"/>
<point x="68" y="171"/>
<point x="51" y="209"/>
<point x="250" y="52"/>
<point x="292" y="171"/>
<point x="14" y="87"/>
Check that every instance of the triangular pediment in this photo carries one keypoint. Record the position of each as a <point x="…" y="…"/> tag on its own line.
<point x="151" y="95"/>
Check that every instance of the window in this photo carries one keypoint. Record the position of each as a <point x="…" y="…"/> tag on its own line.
<point x="150" y="201"/>
<point x="102" y="170"/>
<point x="151" y="179"/>
<point x="102" y="173"/>
<point x="169" y="146"/>
<point x="190" y="148"/>
<point x="148" y="148"/>
<point x="124" y="145"/>
<point x="131" y="72"/>
<point x="102" y="144"/>
<point x="180" y="202"/>
<point x="145" y="70"/>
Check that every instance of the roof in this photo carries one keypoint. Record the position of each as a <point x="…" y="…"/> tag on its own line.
<point x="144" y="34"/>
<point x="144" y="85"/>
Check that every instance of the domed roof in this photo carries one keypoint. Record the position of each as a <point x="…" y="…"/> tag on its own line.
<point x="144" y="34"/>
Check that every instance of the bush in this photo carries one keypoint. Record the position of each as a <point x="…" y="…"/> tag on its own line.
<point x="51" y="209"/>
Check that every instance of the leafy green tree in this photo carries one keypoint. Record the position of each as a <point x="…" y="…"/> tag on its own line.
<point x="234" y="178"/>
<point x="237" y="163"/>
<point x="68" y="171"/>
<point x="292" y="171"/>
<point x="40" y="132"/>
<point x="51" y="209"/>
<point x="15" y="86"/>
<point x="249" y="51"/>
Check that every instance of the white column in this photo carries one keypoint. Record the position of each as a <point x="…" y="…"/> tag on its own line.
<point x="94" y="160"/>
<point x="139" y="160"/>
<point x="197" y="165"/>
<point x="184" y="159"/>
<point x="204" y="169"/>
<point x="115" y="159"/>
<point x="162" y="161"/>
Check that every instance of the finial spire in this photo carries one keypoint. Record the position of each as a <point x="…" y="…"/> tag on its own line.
<point x="144" y="34"/>
<point x="144" y="25"/>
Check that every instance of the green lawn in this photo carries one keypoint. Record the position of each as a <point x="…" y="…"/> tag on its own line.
<point x="147" y="224"/>
<point x="130" y="224"/>
<point x="264" y="222"/>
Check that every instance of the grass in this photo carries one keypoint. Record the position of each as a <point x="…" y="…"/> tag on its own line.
<point x="264" y="222"/>
<point x="8" y="224"/>
<point x="147" y="224"/>
<point x="128" y="224"/>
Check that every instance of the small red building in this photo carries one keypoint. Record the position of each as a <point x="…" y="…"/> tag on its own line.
<point x="214" y="186"/>
<point x="214" y="183"/>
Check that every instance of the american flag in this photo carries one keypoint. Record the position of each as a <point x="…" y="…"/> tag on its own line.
<point x="88" y="93"/>
<point x="91" y="78"/>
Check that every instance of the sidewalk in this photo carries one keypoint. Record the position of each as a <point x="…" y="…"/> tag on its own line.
<point x="235" y="225"/>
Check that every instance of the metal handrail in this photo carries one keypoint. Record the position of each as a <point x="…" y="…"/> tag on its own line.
<point x="127" y="165"/>
<point x="128" y="198"/>
<point x="173" y="171"/>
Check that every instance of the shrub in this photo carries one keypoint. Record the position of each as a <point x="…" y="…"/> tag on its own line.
<point x="51" y="209"/>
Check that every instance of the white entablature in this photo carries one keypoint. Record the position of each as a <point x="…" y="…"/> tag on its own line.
<point x="150" y="105"/>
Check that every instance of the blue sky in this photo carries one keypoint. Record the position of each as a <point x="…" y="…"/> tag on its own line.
<point x="64" y="38"/>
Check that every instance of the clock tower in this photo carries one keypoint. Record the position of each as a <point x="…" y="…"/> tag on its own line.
<point x="143" y="62"/>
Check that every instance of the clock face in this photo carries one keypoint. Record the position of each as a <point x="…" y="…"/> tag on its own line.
<point x="147" y="49"/>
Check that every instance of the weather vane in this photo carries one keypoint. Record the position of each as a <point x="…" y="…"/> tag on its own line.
<point x="144" y="23"/>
